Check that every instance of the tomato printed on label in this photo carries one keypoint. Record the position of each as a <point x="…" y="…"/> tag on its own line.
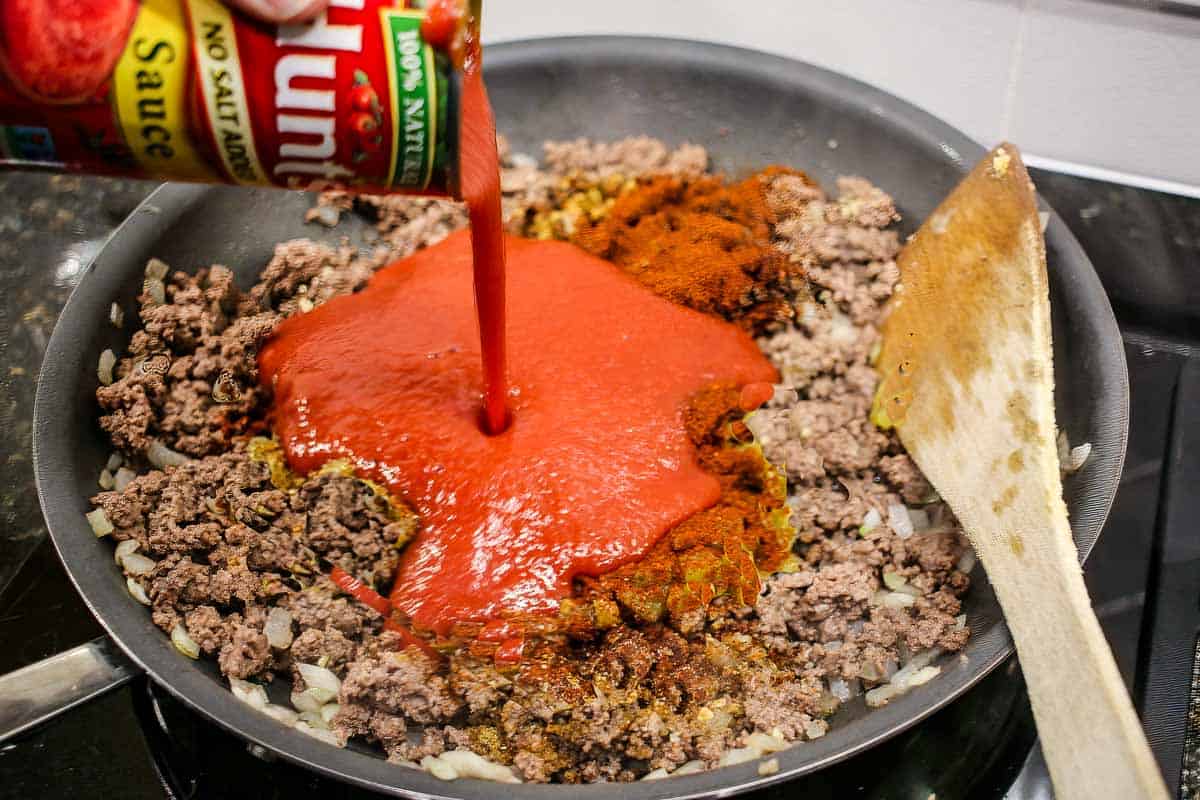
<point x="63" y="51"/>
<point x="363" y="98"/>
<point x="364" y="124"/>
<point x="443" y="19"/>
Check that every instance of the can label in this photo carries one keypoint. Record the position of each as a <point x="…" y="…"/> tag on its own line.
<point x="188" y="90"/>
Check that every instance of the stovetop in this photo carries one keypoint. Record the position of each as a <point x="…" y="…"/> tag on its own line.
<point x="1144" y="574"/>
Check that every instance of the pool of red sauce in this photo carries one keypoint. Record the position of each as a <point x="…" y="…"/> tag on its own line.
<point x="575" y="462"/>
<point x="595" y="465"/>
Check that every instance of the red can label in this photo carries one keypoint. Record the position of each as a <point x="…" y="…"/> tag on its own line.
<point x="188" y="90"/>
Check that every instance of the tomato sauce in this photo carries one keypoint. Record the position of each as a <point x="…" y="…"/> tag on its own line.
<point x="479" y="176"/>
<point x="595" y="465"/>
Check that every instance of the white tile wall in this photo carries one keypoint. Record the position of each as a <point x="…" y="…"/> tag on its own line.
<point x="1111" y="87"/>
<point x="1097" y="87"/>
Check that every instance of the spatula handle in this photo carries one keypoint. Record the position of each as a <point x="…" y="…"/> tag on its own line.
<point x="1090" y="734"/>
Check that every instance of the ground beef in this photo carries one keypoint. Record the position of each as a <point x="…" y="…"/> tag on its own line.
<point x="247" y="653"/>
<point x="323" y="607"/>
<point x="227" y="543"/>
<point x="380" y="693"/>
<point x="208" y="628"/>
<point x="327" y="646"/>
<point x="345" y="525"/>
<point x="233" y="534"/>
<point x="637" y="155"/>
<point x="477" y="681"/>
<point x="840" y="467"/>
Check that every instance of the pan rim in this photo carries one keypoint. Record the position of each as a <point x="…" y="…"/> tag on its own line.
<point x="148" y="648"/>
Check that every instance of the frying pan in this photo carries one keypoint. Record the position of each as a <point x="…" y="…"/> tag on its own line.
<point x="749" y="109"/>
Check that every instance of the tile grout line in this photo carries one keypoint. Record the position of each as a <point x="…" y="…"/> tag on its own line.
<point x="1014" y="71"/>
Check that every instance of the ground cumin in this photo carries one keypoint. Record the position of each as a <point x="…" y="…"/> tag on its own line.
<point x="702" y="243"/>
<point x="721" y="551"/>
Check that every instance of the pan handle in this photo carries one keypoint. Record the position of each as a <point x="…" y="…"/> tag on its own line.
<point x="45" y="689"/>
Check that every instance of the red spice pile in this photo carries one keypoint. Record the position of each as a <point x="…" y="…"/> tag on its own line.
<point x="702" y="243"/>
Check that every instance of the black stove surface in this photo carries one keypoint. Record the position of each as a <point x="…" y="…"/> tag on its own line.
<point x="1144" y="574"/>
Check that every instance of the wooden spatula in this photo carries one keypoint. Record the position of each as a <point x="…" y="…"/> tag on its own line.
<point x="967" y="380"/>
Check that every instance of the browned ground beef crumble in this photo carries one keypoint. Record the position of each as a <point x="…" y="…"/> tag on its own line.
<point x="229" y="543"/>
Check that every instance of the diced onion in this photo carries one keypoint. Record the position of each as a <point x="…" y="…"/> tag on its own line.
<point x="919" y="660"/>
<point x="899" y="521"/>
<point x="315" y="719"/>
<point x="738" y="755"/>
<point x="770" y="766"/>
<point x="252" y="694"/>
<point x="138" y="564"/>
<point x="157" y="269"/>
<point x="123" y="478"/>
<point x="656" y="774"/>
<point x="326" y="736"/>
<point x="328" y="712"/>
<point x="919" y="677"/>
<point x="183" y="642"/>
<point x="919" y="518"/>
<point x="114" y="460"/>
<point x="322" y="683"/>
<point x="157" y="291"/>
<point x="898" y="583"/>
<point x="454" y="764"/>
<point x="1078" y="456"/>
<point x="841" y="328"/>
<point x="101" y="525"/>
<point x="125" y="548"/>
<point x="880" y="695"/>
<point x="757" y="745"/>
<point x="303" y="701"/>
<point x="960" y="621"/>
<point x="138" y="593"/>
<point x="842" y="689"/>
<point x="816" y="728"/>
<point x="278" y="628"/>
<point x="766" y="743"/>
<point x="916" y="672"/>
<point x="116" y="316"/>
<point x="281" y="714"/>
<point x="106" y="480"/>
<point x="871" y="521"/>
<point x="104" y="368"/>
<point x="327" y="216"/>
<point x="162" y="456"/>
<point x="895" y="599"/>
<point x="966" y="562"/>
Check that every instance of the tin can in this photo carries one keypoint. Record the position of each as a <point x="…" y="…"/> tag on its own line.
<point x="189" y="90"/>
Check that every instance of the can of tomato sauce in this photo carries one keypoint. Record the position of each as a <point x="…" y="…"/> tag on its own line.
<point x="364" y="98"/>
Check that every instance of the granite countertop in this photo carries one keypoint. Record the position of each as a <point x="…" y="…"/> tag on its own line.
<point x="51" y="226"/>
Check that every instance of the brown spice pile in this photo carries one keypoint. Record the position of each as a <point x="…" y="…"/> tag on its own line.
<point x="718" y="553"/>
